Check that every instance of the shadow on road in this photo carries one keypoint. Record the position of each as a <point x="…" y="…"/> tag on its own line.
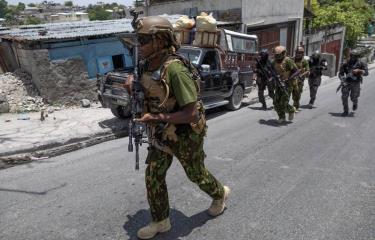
<point x="32" y="192"/>
<point x="306" y="107"/>
<point x="339" y="114"/>
<point x="260" y="108"/>
<point x="273" y="123"/>
<point x="215" y="112"/>
<point x="182" y="225"/>
<point x="117" y="126"/>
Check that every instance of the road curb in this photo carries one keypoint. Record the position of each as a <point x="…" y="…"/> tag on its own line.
<point x="46" y="151"/>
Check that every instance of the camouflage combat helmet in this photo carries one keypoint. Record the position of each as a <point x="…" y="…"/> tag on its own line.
<point x="315" y="56"/>
<point x="279" y="53"/>
<point x="355" y="53"/>
<point x="156" y="26"/>
<point x="300" y="49"/>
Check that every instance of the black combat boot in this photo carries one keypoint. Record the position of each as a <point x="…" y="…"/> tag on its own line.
<point x="311" y="104"/>
<point x="355" y="106"/>
<point x="264" y="106"/>
<point x="345" y="114"/>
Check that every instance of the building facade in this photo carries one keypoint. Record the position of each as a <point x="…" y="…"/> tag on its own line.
<point x="65" y="58"/>
<point x="274" y="22"/>
<point x="68" y="17"/>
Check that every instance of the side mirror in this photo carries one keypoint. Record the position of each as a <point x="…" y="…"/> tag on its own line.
<point x="205" y="68"/>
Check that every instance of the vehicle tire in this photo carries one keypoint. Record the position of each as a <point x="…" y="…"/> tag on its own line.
<point x="236" y="99"/>
<point x="121" y="112"/>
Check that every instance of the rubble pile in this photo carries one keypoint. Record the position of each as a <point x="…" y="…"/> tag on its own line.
<point x="18" y="94"/>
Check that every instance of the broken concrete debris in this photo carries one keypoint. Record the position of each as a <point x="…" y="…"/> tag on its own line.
<point x="17" y="93"/>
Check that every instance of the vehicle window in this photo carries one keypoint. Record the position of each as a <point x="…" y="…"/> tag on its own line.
<point x="191" y="54"/>
<point x="244" y="45"/>
<point x="211" y="59"/>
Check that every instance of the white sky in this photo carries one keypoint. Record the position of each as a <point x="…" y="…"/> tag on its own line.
<point x="75" y="2"/>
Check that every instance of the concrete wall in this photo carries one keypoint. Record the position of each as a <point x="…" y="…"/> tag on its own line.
<point x="58" y="81"/>
<point x="266" y="12"/>
<point x="63" y="72"/>
<point x="175" y="7"/>
<point x="254" y="13"/>
<point x="90" y="53"/>
<point x="320" y="38"/>
<point x="331" y="62"/>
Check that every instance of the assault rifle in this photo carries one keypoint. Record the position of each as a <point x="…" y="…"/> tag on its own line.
<point x="270" y="73"/>
<point x="136" y="129"/>
<point x="316" y="69"/>
<point x="301" y="77"/>
<point x="350" y="75"/>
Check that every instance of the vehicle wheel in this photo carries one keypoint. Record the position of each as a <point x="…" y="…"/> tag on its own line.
<point x="121" y="112"/>
<point x="236" y="99"/>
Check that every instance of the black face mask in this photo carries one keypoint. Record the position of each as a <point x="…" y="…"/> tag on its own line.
<point x="263" y="58"/>
<point x="353" y="60"/>
<point x="315" y="59"/>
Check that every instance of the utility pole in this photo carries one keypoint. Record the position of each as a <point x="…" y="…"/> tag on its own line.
<point x="308" y="28"/>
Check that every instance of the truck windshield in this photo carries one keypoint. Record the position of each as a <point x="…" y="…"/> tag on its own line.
<point x="191" y="54"/>
<point x="244" y="45"/>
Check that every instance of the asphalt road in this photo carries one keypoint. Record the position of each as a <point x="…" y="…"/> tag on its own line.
<point x="311" y="179"/>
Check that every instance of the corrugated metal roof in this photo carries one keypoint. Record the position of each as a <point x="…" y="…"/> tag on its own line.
<point x="67" y="30"/>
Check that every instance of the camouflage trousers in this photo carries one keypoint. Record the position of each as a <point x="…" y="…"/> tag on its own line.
<point x="295" y="90"/>
<point x="314" y="84"/>
<point x="352" y="89"/>
<point x="189" y="151"/>
<point x="281" y="103"/>
<point x="262" y="85"/>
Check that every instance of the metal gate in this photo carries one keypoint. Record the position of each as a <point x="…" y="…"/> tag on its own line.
<point x="334" y="48"/>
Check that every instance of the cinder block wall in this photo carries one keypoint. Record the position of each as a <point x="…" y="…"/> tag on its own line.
<point x="331" y="61"/>
<point x="59" y="81"/>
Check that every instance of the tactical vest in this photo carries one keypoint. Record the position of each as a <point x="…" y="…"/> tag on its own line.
<point x="160" y="99"/>
<point x="281" y="69"/>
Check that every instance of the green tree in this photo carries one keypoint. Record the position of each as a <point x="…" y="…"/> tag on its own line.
<point x="98" y="13"/>
<point x="32" y="20"/>
<point x="11" y="20"/>
<point x="353" y="14"/>
<point x="21" y="6"/>
<point x="68" y="4"/>
<point x="3" y="8"/>
<point x="31" y="5"/>
<point x="139" y="3"/>
<point x="12" y="10"/>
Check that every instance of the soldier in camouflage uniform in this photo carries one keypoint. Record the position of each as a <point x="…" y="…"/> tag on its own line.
<point x="175" y="121"/>
<point x="350" y="75"/>
<point x="284" y="67"/>
<point x="303" y="66"/>
<point x="262" y="79"/>
<point x="317" y="65"/>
